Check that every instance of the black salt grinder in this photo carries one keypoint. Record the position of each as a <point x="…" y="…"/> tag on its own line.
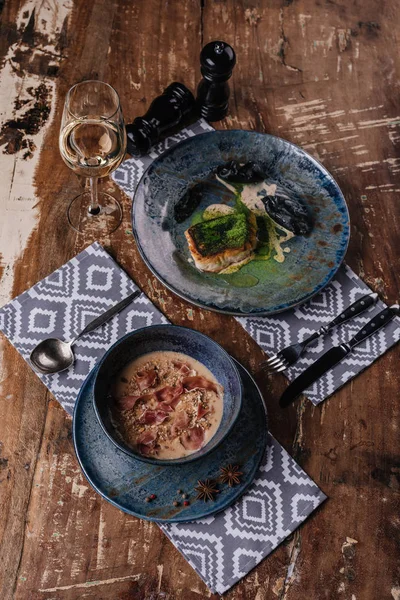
<point x="217" y="60"/>
<point x="164" y="112"/>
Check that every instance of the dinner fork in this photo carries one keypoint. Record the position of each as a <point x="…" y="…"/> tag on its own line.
<point x="288" y="356"/>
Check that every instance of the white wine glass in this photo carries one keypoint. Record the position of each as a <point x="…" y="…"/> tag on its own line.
<point x="93" y="144"/>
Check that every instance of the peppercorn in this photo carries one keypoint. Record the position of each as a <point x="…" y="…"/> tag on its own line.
<point x="179" y="492"/>
<point x="186" y="503"/>
<point x="175" y="503"/>
<point x="184" y="495"/>
<point x="147" y="499"/>
<point x="153" y="497"/>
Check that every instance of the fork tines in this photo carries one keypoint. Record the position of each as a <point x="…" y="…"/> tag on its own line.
<point x="275" y="364"/>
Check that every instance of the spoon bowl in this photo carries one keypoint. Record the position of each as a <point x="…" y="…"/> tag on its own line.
<point x="52" y="355"/>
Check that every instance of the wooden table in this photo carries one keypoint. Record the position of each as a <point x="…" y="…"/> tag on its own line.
<point x="321" y="73"/>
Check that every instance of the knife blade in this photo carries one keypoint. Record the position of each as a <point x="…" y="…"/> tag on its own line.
<point x="336" y="354"/>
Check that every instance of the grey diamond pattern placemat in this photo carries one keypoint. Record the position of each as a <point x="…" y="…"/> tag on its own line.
<point x="274" y="333"/>
<point x="63" y="303"/>
<point x="295" y="325"/>
<point x="224" y="548"/>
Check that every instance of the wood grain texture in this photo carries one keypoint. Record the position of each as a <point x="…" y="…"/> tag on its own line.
<point x="321" y="73"/>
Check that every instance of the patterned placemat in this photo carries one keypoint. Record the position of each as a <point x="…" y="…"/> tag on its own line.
<point x="63" y="303"/>
<point x="224" y="548"/>
<point x="294" y="325"/>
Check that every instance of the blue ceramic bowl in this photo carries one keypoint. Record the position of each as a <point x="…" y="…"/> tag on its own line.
<point x="175" y="339"/>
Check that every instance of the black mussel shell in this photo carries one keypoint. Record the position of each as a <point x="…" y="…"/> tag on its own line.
<point x="262" y="230"/>
<point x="289" y="213"/>
<point x="188" y="203"/>
<point x="234" y="172"/>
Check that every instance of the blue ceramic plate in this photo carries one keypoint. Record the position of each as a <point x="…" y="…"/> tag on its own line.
<point x="261" y="287"/>
<point x="126" y="482"/>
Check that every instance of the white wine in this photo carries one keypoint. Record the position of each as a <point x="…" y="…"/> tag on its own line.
<point x="92" y="143"/>
<point x="92" y="147"/>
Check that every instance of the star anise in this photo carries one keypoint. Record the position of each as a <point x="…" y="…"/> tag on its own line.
<point x="206" y="490"/>
<point x="230" y="475"/>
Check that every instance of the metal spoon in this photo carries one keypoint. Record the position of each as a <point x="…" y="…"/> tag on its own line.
<point x="53" y="355"/>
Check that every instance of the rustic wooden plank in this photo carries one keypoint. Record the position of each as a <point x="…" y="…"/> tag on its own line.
<point x="316" y="90"/>
<point x="25" y="76"/>
<point x="322" y="76"/>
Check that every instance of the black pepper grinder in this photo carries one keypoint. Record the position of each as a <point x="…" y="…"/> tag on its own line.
<point x="217" y="60"/>
<point x="164" y="112"/>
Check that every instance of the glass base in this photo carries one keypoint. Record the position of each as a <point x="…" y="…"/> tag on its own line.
<point x="105" y="220"/>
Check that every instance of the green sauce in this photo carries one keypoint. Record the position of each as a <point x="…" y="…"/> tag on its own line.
<point x="240" y="279"/>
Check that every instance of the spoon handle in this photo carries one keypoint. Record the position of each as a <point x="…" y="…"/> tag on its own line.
<point x="107" y="315"/>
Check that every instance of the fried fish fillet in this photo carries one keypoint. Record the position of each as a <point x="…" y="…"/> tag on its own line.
<point x="218" y="243"/>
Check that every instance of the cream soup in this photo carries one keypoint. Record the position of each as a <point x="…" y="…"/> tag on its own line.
<point x="166" y="404"/>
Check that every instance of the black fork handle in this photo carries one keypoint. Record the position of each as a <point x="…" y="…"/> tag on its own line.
<point x="357" y="308"/>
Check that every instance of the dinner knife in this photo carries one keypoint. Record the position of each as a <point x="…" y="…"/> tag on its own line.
<point x="333" y="356"/>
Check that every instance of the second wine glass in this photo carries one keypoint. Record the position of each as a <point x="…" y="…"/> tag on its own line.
<point x="93" y="144"/>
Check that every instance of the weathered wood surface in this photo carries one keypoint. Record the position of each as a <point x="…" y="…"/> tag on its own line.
<point x="321" y="73"/>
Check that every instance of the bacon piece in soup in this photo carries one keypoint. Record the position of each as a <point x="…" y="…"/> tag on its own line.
<point x="146" y="442"/>
<point x="149" y="417"/>
<point x="181" y="420"/>
<point x="128" y="402"/>
<point x="199" y="383"/>
<point x="182" y="367"/>
<point x="174" y="403"/>
<point x="202" y="411"/>
<point x="193" y="438"/>
<point x="169" y="393"/>
<point x="146" y="438"/>
<point x="148" y="449"/>
<point x="165" y="407"/>
<point x="146" y="379"/>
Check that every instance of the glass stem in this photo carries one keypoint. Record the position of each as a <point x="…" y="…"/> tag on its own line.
<point x="94" y="207"/>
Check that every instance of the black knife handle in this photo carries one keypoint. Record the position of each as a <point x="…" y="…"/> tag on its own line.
<point x="379" y="321"/>
<point x="358" y="307"/>
<point x="354" y="309"/>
